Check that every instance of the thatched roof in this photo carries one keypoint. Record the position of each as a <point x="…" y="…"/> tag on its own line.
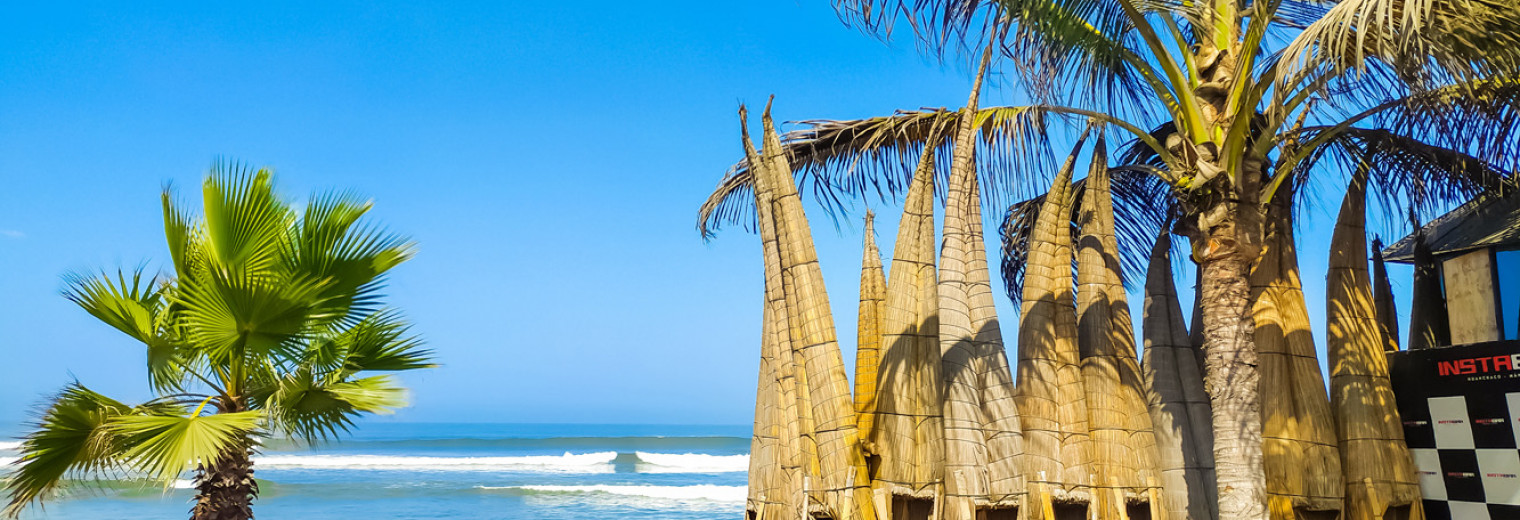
<point x="1487" y="221"/>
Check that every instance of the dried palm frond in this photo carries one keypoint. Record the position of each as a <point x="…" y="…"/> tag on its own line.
<point x="874" y="157"/>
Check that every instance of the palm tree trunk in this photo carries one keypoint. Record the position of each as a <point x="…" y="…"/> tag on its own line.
<point x="1231" y="376"/>
<point x="225" y="490"/>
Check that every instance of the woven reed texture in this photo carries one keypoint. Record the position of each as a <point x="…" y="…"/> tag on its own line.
<point x="1429" y="325"/>
<point x="776" y="458"/>
<point x="982" y="436"/>
<point x="1179" y="407"/>
<point x="1050" y="396"/>
<point x="1299" y="447"/>
<point x="1124" y="444"/>
<point x="873" y="308"/>
<point x="909" y="432"/>
<point x="830" y="420"/>
<point x="1382" y="297"/>
<point x="1370" y="432"/>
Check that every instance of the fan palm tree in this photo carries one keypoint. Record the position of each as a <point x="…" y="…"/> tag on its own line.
<point x="1232" y="106"/>
<point x="271" y="323"/>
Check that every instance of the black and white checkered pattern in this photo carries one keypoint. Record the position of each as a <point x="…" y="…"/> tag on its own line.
<point x="1466" y="452"/>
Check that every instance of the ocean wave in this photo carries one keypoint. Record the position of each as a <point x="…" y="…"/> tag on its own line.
<point x="691" y="463"/>
<point x="624" y="444"/>
<point x="700" y="492"/>
<point x="600" y="462"/>
<point x="10" y="445"/>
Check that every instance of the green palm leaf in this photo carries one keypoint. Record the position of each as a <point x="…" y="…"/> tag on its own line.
<point x="164" y="446"/>
<point x="73" y="436"/>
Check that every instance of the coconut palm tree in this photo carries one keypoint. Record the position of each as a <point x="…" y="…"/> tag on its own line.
<point x="271" y="323"/>
<point x="1230" y="105"/>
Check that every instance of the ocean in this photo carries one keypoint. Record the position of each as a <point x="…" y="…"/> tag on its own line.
<point x="486" y="471"/>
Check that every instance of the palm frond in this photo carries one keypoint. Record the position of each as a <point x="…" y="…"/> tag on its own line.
<point x="72" y="437"/>
<point x="1142" y="201"/>
<point x="228" y="314"/>
<point x="301" y="404"/>
<point x="937" y="24"/>
<point x="134" y="305"/>
<point x="1422" y="42"/>
<point x="851" y="159"/>
<point x="331" y="243"/>
<point x="381" y="342"/>
<point x="1408" y="174"/>
<point x="166" y="445"/>
<point x="245" y="221"/>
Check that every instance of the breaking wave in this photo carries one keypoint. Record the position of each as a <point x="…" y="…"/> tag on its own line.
<point x="600" y="462"/>
<point x="691" y="463"/>
<point x="695" y="497"/>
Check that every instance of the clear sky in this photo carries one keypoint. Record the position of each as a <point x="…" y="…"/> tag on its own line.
<point x="548" y="157"/>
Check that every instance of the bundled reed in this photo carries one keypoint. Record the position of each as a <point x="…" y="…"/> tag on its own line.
<point x="1379" y="469"/>
<point x="873" y="309"/>
<point x="1382" y="297"/>
<point x="982" y="438"/>
<point x="1179" y="407"/>
<point x="777" y="464"/>
<point x="836" y="487"/>
<point x="1051" y="400"/>
<point x="1429" y="325"/>
<point x="1123" y="442"/>
<point x="1299" y="447"/>
<point x="909" y="430"/>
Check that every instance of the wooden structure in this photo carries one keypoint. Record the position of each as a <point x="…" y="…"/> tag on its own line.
<point x="1457" y="283"/>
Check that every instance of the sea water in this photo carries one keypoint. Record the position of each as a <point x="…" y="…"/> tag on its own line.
<point x="487" y="471"/>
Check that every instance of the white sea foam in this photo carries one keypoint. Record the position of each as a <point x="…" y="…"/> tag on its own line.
<point x="184" y="484"/>
<point x="701" y="492"/>
<point x="599" y="462"/>
<point x="691" y="463"/>
<point x="10" y="445"/>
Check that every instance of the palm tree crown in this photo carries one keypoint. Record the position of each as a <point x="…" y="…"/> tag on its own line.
<point x="271" y="323"/>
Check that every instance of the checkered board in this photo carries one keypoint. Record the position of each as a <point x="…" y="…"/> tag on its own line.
<point x="1461" y="430"/>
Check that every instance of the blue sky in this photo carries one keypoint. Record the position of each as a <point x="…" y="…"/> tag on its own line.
<point x="548" y="157"/>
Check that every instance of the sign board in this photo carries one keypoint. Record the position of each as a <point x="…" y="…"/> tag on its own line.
<point x="1460" y="406"/>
